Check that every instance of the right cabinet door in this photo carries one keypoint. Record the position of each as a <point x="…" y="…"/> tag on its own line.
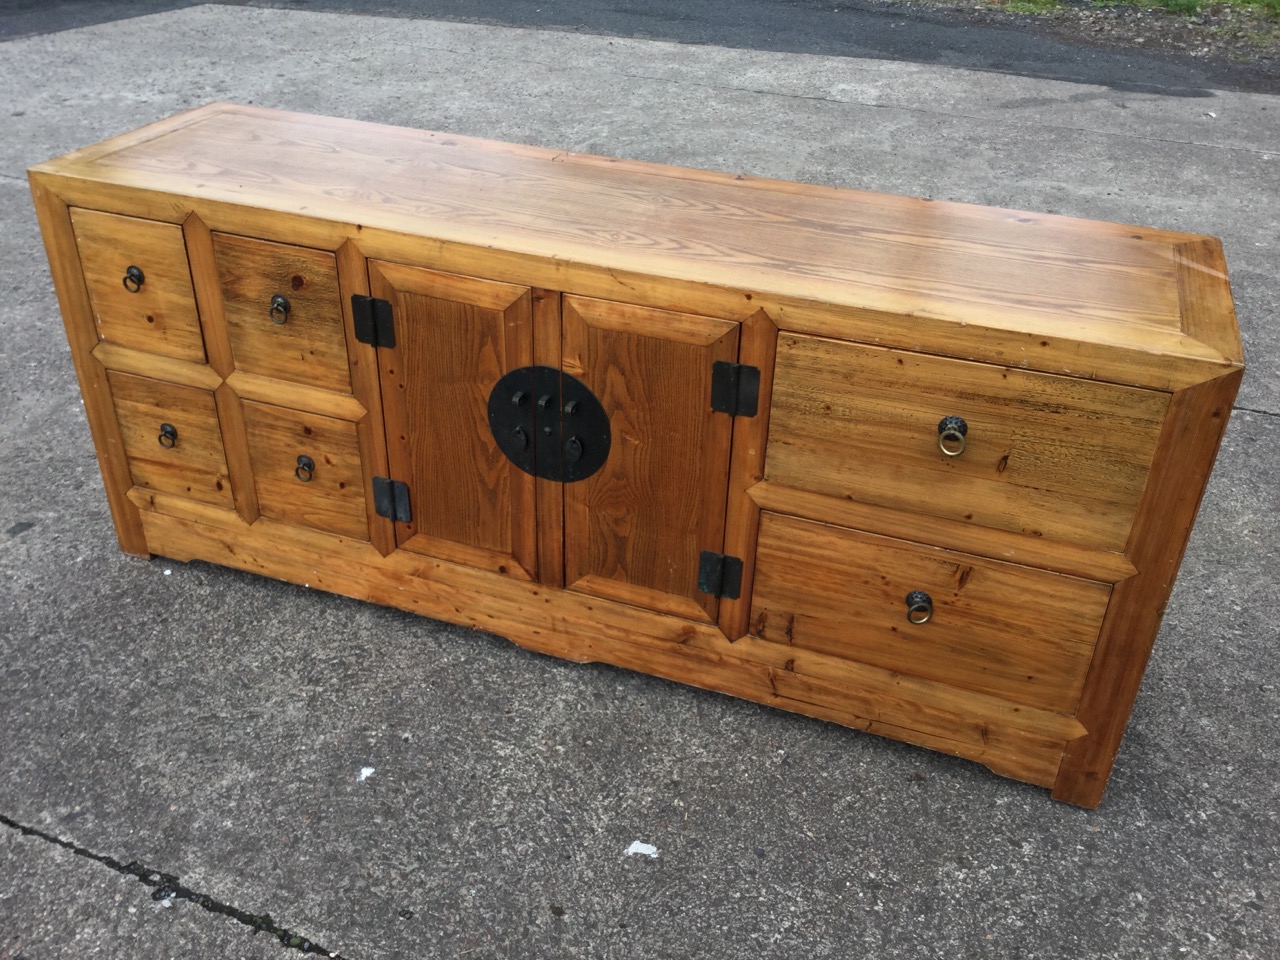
<point x="635" y="530"/>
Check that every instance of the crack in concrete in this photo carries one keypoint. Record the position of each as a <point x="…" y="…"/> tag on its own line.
<point x="1265" y="413"/>
<point x="167" y="887"/>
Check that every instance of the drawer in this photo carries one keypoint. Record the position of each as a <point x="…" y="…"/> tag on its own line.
<point x="329" y="495"/>
<point x="171" y="438"/>
<point x="997" y="628"/>
<point x="1044" y="455"/>
<point x="283" y="311"/>
<point x="139" y="283"/>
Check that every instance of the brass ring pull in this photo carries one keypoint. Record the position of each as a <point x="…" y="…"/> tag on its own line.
<point x="168" y="435"/>
<point x="919" y="607"/>
<point x="279" y="308"/>
<point x="305" y="469"/>
<point x="133" y="279"/>
<point x="951" y="435"/>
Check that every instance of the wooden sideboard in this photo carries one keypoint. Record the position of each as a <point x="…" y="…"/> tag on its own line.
<point x="920" y="468"/>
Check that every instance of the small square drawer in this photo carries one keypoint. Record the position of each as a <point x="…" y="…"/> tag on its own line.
<point x="306" y="469"/>
<point x="139" y="283"/>
<point x="172" y="438"/>
<point x="1043" y="455"/>
<point x="283" y="311"/>
<point x="997" y="628"/>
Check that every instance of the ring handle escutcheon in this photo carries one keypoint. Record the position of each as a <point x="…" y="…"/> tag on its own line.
<point x="919" y="607"/>
<point x="952" y="434"/>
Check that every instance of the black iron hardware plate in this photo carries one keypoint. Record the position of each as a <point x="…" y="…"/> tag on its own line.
<point x="549" y="424"/>
<point x="719" y="575"/>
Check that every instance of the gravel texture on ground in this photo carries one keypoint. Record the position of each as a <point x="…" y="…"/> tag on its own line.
<point x="1246" y="36"/>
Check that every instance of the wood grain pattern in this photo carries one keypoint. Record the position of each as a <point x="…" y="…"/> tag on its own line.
<point x="208" y="292"/>
<point x="547" y="352"/>
<point x="455" y="338"/>
<point x="1047" y="456"/>
<point x="635" y="529"/>
<point x="309" y="347"/>
<point x="195" y="466"/>
<point x="1056" y="555"/>
<point x="253" y="386"/>
<point x="161" y="316"/>
<point x="750" y="436"/>
<point x="353" y="278"/>
<point x="1089" y="482"/>
<point x="333" y="498"/>
<point x="1194" y="428"/>
<point x="1015" y="740"/>
<point x="82" y="335"/>
<point x="995" y="285"/>
<point x="1025" y="635"/>
<point x="157" y="366"/>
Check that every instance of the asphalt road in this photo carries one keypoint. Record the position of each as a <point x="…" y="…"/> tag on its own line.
<point x="839" y="28"/>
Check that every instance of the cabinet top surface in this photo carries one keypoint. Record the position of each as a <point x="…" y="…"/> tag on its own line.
<point x="1139" y="290"/>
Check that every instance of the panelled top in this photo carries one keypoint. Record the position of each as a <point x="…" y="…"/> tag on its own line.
<point x="1043" y="283"/>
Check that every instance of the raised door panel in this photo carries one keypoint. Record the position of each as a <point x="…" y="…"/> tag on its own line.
<point x="283" y="311"/>
<point x="635" y="530"/>
<point x="455" y="337"/>
<point x="1046" y="456"/>
<point x="139" y="284"/>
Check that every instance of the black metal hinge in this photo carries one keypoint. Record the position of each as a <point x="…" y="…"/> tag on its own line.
<point x="374" y="323"/>
<point x="719" y="575"/>
<point x="391" y="499"/>
<point x="735" y="388"/>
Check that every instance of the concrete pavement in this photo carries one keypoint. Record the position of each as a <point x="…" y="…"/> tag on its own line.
<point x="214" y="726"/>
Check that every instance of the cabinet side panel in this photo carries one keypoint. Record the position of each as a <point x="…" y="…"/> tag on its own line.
<point x="77" y="316"/>
<point x="1188" y="444"/>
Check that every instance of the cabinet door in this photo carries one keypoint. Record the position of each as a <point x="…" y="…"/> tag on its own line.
<point x="635" y="530"/>
<point x="455" y="338"/>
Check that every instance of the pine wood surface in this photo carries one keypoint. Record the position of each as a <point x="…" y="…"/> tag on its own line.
<point x="1040" y="291"/>
<point x="1046" y="456"/>
<point x="1012" y="739"/>
<point x="333" y="498"/>
<point x="1049" y="547"/>
<point x="455" y="338"/>
<point x="160" y="316"/>
<point x="1194" y="429"/>
<point x="308" y="347"/>
<point x="635" y="530"/>
<point x="1025" y="635"/>
<point x="195" y="466"/>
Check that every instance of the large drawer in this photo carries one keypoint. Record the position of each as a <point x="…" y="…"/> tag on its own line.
<point x="1048" y="456"/>
<point x="1021" y="634"/>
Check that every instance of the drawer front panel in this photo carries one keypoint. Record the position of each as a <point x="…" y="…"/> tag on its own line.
<point x="283" y="311"/>
<point x="306" y="469"/>
<point x="1044" y="455"/>
<point x="187" y="460"/>
<point x="1021" y="634"/>
<point x="152" y="309"/>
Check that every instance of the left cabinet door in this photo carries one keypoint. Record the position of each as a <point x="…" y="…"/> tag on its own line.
<point x="455" y="337"/>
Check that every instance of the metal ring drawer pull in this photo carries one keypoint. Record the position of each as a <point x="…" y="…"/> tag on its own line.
<point x="279" y="308"/>
<point x="951" y="435"/>
<point x="919" y="607"/>
<point x="305" y="469"/>
<point x="168" y="435"/>
<point x="133" y="279"/>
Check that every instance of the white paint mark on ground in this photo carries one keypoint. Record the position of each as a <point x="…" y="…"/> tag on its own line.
<point x="639" y="849"/>
<point x="365" y="774"/>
